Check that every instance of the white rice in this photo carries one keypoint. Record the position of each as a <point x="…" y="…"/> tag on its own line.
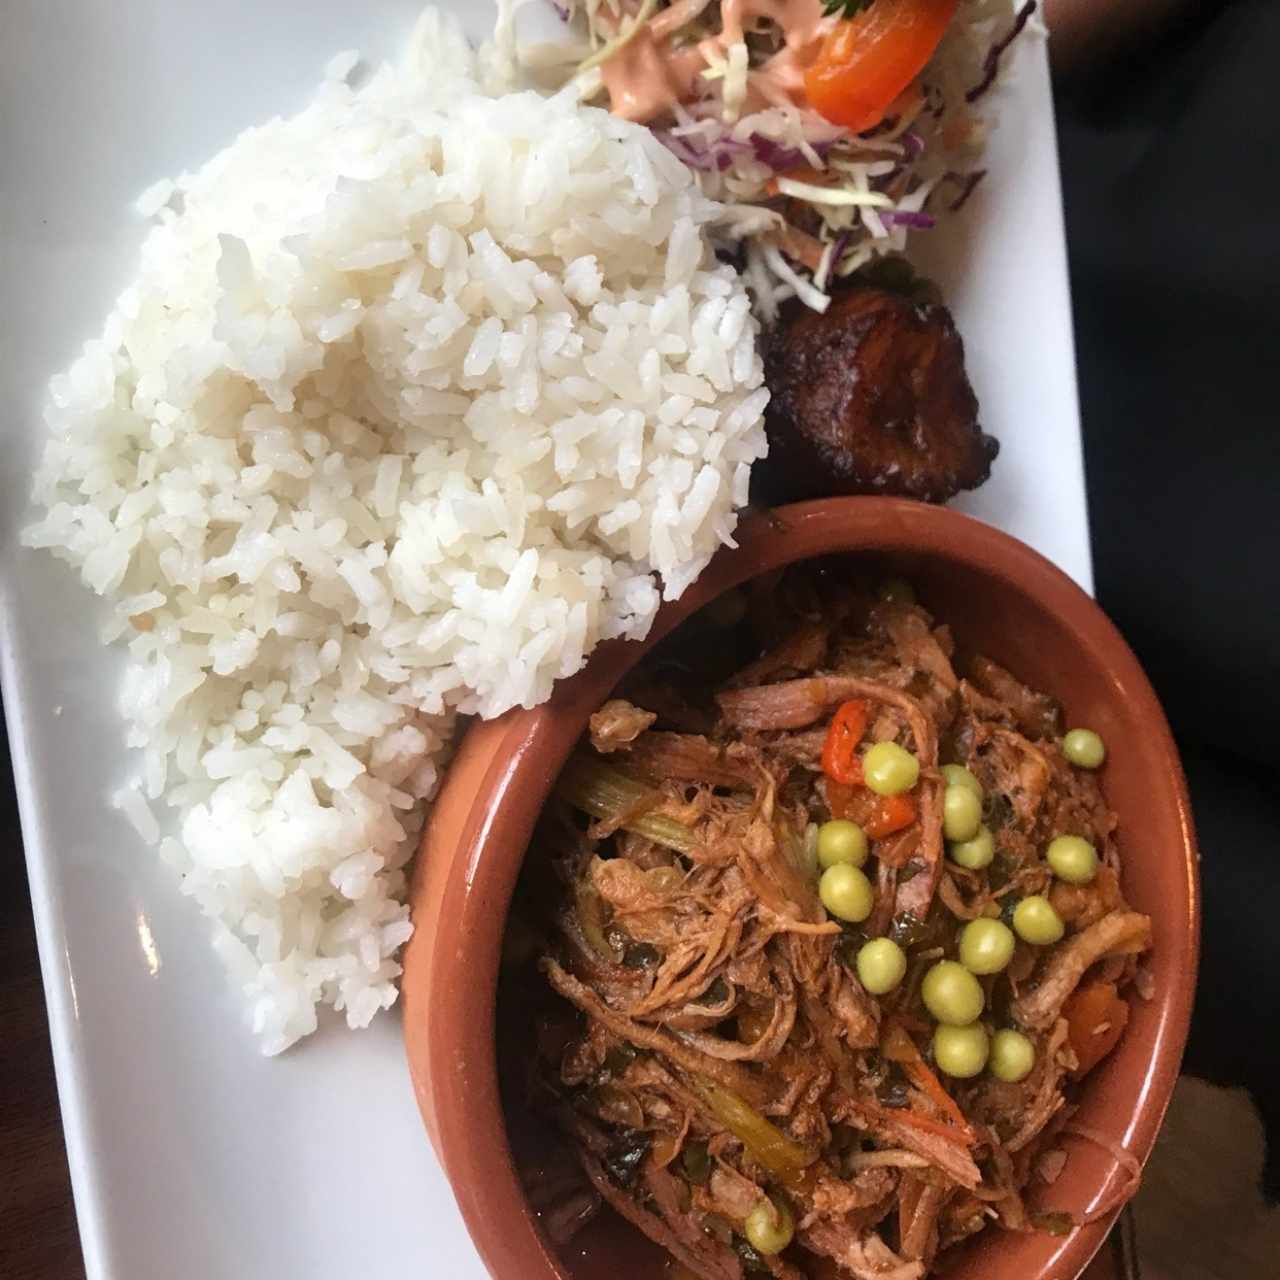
<point x="415" y="394"/>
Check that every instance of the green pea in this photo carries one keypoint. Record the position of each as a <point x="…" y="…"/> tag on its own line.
<point x="769" y="1227"/>
<point x="961" y="813"/>
<point x="986" y="946"/>
<point x="1012" y="1056"/>
<point x="1073" y="859"/>
<point x="1084" y="748"/>
<point x="976" y="853"/>
<point x="1035" y="921"/>
<point x="961" y="1051"/>
<point x="881" y="965"/>
<point x="846" y="893"/>
<point x="841" y="841"/>
<point x="897" y="591"/>
<point x="952" y="994"/>
<point x="889" y="769"/>
<point x="958" y="776"/>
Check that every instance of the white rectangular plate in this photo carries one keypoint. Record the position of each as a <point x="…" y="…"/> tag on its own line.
<point x="191" y="1155"/>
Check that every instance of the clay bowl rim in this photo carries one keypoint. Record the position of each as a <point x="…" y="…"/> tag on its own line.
<point x="451" y="966"/>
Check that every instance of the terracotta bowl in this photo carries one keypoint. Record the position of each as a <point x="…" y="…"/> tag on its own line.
<point x="1001" y="598"/>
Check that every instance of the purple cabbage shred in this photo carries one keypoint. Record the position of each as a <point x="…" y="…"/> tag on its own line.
<point x="912" y="144"/>
<point x="991" y="68"/>
<point x="838" y="247"/>
<point x="779" y="157"/>
<point x="719" y="156"/>
<point x="920" y="220"/>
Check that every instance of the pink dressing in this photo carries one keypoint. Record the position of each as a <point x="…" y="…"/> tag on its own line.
<point x="647" y="77"/>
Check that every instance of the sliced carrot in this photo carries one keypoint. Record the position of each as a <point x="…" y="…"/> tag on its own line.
<point x="1096" y="1018"/>
<point x="898" y="1046"/>
<point x="801" y="247"/>
<point x="912" y="1118"/>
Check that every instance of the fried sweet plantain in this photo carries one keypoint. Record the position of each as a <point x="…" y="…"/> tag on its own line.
<point x="869" y="398"/>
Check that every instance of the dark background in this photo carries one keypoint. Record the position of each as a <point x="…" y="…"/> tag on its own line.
<point x="37" y="1222"/>
<point x="1171" y="172"/>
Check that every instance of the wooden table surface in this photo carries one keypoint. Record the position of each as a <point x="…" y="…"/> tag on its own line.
<point x="38" y="1239"/>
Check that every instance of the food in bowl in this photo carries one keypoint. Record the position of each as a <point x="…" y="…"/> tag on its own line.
<point x="838" y="928"/>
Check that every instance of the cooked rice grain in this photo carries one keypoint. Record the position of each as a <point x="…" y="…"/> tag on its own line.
<point x="415" y="394"/>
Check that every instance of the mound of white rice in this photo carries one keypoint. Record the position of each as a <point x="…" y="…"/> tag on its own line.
<point x="415" y="394"/>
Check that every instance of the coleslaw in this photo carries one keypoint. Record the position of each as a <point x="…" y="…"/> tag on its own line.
<point x="806" y="201"/>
